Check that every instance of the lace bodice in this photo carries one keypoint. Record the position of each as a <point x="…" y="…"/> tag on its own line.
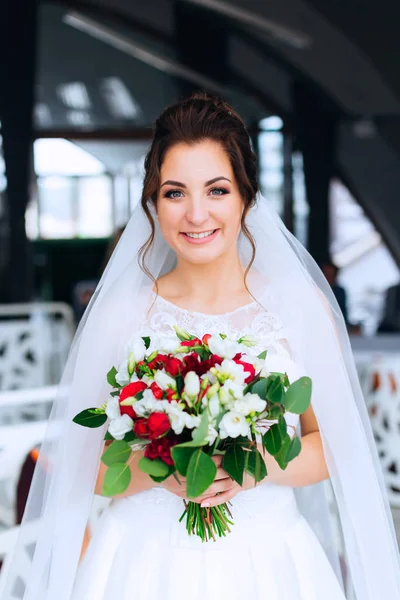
<point x="254" y="319"/>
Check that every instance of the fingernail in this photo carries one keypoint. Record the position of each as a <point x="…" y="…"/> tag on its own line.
<point x="205" y="504"/>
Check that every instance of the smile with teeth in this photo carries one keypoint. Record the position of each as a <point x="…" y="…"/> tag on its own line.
<point x="201" y="235"/>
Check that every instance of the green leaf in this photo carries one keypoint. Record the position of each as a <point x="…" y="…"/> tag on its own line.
<point x="117" y="452"/>
<point x="200" y="473"/>
<point x="86" y="418"/>
<point x="281" y="456"/>
<point x="155" y="467"/>
<point x="116" y="479"/>
<point x="255" y="465"/>
<point x="146" y="341"/>
<point x="260" y="388"/>
<point x="108" y="436"/>
<point x="181" y="454"/>
<point x="171" y="470"/>
<point x="298" y="397"/>
<point x="111" y="377"/>
<point x="130" y="437"/>
<point x="294" y="449"/>
<point x="201" y="432"/>
<point x="180" y="384"/>
<point x="275" y="411"/>
<point x="233" y="462"/>
<point x="276" y="391"/>
<point x="263" y="355"/>
<point x="273" y="439"/>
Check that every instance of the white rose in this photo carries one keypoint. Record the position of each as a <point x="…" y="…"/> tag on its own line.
<point x="225" y="348"/>
<point x="122" y="377"/>
<point x="163" y="380"/>
<point x="192" y="384"/>
<point x="112" y="408"/>
<point x="233" y="424"/>
<point x="120" y="426"/>
<point x="254" y="402"/>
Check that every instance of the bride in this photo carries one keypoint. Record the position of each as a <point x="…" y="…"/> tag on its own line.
<point x="203" y="251"/>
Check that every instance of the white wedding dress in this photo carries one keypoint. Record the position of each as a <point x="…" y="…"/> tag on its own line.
<point x="139" y="550"/>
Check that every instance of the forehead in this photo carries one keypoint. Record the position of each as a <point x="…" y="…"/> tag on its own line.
<point x="202" y="161"/>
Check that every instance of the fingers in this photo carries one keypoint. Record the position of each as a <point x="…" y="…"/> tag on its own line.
<point x="223" y="485"/>
<point x="221" y="474"/>
<point x="221" y="498"/>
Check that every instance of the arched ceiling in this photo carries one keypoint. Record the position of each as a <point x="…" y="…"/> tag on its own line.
<point x="347" y="51"/>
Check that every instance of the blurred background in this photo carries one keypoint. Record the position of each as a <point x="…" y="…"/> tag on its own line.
<point x="82" y="82"/>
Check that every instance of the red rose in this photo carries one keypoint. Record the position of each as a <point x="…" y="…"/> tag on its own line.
<point x="158" y="362"/>
<point x="132" y="389"/>
<point x="190" y="343"/>
<point x="129" y="391"/>
<point x="248" y="368"/>
<point x="141" y="428"/>
<point x="171" y="395"/>
<point x="158" y="424"/>
<point x="173" y="366"/>
<point x="157" y="391"/>
<point x="160" y="448"/>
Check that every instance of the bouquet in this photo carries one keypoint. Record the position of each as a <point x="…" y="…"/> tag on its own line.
<point x="182" y="400"/>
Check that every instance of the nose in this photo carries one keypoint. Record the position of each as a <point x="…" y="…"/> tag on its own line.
<point x="197" y="211"/>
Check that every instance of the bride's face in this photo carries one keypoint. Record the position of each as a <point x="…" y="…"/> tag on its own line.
<point x="199" y="206"/>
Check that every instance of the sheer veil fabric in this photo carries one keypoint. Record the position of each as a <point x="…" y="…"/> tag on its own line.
<point x="63" y="485"/>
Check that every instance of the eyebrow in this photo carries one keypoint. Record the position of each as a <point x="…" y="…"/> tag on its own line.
<point x="207" y="183"/>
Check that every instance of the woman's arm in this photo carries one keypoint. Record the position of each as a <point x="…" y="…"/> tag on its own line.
<point x="309" y="466"/>
<point x="139" y="481"/>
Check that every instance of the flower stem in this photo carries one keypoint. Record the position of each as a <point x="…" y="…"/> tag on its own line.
<point x="207" y="523"/>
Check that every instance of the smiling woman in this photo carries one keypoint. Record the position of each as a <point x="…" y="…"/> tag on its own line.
<point x="191" y="236"/>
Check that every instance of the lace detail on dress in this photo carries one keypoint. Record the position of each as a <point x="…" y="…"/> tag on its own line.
<point x="250" y="319"/>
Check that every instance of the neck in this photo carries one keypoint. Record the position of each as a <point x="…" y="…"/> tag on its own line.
<point x="210" y="281"/>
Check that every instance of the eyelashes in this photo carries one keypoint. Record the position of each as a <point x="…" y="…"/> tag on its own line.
<point x="171" y="193"/>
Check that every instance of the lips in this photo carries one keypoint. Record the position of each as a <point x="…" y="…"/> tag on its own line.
<point x="201" y="237"/>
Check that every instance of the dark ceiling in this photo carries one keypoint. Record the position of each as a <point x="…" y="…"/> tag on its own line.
<point x="348" y="52"/>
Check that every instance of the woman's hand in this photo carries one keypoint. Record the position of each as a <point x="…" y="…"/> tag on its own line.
<point x="230" y="492"/>
<point x="223" y="485"/>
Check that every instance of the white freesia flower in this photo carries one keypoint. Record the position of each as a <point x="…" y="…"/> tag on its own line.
<point x="112" y="408"/>
<point x="211" y="435"/>
<point x="177" y="420"/>
<point x="192" y="384"/>
<point x="233" y="388"/>
<point x="241" y="407"/>
<point x="137" y="349"/>
<point x="163" y="380"/>
<point x="168" y="345"/>
<point x="233" y="371"/>
<point x="225" y="348"/>
<point x="233" y="424"/>
<point x="147" y="380"/>
<point x="254" y="402"/>
<point x="249" y="340"/>
<point x="214" y="406"/>
<point x="120" y="426"/>
<point x="192" y="421"/>
<point x="147" y="404"/>
<point x="122" y="377"/>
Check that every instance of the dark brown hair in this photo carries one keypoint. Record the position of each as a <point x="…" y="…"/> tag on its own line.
<point x="190" y="121"/>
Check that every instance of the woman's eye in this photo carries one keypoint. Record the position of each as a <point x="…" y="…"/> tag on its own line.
<point x="173" y="194"/>
<point x="219" y="191"/>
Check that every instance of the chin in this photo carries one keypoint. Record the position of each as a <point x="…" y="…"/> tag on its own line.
<point x="201" y="256"/>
